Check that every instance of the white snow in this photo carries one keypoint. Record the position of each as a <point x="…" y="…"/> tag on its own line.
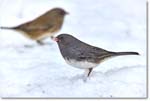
<point x="115" y="25"/>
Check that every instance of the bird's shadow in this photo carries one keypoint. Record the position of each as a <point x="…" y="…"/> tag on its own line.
<point x="37" y="45"/>
<point x="25" y="47"/>
<point x="77" y="77"/>
<point x="83" y="78"/>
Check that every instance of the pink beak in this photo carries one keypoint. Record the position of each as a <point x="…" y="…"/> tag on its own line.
<point x="56" y="39"/>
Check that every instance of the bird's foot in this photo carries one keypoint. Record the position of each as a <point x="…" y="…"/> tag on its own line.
<point x="42" y="43"/>
<point x="86" y="78"/>
<point x="39" y="42"/>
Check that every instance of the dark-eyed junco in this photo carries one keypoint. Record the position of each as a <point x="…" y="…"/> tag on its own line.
<point x="81" y="55"/>
<point x="43" y="26"/>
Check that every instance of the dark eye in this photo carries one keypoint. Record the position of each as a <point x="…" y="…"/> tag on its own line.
<point x="62" y="13"/>
<point x="61" y="38"/>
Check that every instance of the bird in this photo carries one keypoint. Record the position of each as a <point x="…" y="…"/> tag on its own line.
<point x="43" y="26"/>
<point x="82" y="55"/>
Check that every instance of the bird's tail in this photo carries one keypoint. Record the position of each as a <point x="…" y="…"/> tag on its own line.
<point x="124" y="53"/>
<point x="13" y="28"/>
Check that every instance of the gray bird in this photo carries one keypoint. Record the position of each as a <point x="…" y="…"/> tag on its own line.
<point x="43" y="26"/>
<point x="81" y="55"/>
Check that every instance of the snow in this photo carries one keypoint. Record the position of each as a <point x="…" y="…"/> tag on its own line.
<point x="116" y="25"/>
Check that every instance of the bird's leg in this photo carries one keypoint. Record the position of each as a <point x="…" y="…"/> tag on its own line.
<point x="87" y="73"/>
<point x="90" y="70"/>
<point x="39" y="42"/>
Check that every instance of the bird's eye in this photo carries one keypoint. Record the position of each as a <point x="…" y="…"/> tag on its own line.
<point x="61" y="38"/>
<point x="62" y="13"/>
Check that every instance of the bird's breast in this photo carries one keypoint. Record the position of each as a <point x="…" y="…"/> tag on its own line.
<point x="80" y="64"/>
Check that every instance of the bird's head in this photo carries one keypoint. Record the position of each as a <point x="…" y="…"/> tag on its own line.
<point x="65" y="39"/>
<point x="59" y="11"/>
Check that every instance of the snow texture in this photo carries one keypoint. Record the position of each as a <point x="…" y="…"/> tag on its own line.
<point x="115" y="25"/>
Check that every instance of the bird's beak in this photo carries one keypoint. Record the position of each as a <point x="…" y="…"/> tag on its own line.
<point x="67" y="13"/>
<point x="56" y="39"/>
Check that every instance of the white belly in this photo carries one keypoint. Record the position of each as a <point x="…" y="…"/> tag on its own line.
<point x="81" y="65"/>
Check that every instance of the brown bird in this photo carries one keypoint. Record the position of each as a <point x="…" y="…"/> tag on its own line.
<point x="43" y="26"/>
<point x="84" y="56"/>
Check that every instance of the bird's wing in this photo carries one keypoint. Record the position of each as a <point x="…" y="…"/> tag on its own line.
<point x="31" y="27"/>
<point x="40" y="23"/>
<point x="92" y="54"/>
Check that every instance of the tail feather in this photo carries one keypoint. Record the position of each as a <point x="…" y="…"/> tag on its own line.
<point x="125" y="53"/>
<point x="8" y="27"/>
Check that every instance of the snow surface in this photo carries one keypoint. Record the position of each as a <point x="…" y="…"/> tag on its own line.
<point x="116" y="25"/>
